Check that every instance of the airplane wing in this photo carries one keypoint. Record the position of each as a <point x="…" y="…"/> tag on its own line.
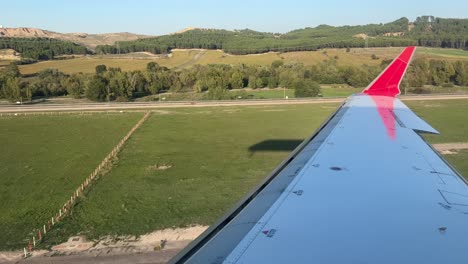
<point x="364" y="188"/>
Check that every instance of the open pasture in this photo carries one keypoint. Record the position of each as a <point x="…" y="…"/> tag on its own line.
<point x="44" y="159"/>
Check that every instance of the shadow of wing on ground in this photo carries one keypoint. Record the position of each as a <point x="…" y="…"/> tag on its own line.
<point x="276" y="145"/>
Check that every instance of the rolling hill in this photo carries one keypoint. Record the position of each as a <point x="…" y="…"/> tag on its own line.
<point x="88" y="40"/>
<point x="424" y="31"/>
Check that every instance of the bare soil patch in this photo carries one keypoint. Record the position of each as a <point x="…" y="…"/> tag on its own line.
<point x="450" y="148"/>
<point x="167" y="240"/>
<point x="159" y="167"/>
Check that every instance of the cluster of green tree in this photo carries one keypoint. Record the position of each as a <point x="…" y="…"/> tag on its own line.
<point x="41" y="48"/>
<point x="440" y="32"/>
<point x="437" y="72"/>
<point x="425" y="31"/>
<point x="215" y="81"/>
<point x="49" y="82"/>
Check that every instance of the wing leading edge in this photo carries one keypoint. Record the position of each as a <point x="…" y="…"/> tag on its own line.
<point x="364" y="188"/>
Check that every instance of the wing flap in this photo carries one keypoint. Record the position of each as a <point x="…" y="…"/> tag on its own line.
<point x="410" y="120"/>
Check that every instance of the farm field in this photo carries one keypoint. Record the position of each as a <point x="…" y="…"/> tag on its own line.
<point x="44" y="159"/>
<point x="4" y="63"/>
<point x="211" y="167"/>
<point x="187" y="166"/>
<point x="186" y="58"/>
<point x="84" y="65"/>
<point x="449" y="53"/>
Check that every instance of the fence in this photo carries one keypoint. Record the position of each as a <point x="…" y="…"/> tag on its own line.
<point x="66" y="208"/>
<point x="60" y="113"/>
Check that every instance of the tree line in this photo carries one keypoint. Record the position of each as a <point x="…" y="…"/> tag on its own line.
<point x="42" y="48"/>
<point x="215" y="81"/>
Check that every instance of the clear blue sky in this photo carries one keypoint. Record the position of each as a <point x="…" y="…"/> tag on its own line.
<point x="161" y="17"/>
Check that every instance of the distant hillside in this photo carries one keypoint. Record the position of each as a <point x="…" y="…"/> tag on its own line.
<point x="425" y="31"/>
<point x="88" y="40"/>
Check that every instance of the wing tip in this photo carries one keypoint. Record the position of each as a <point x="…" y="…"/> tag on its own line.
<point x="388" y="82"/>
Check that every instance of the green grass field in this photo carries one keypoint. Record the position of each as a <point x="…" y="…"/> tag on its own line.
<point x="212" y="167"/>
<point x="187" y="58"/>
<point x="44" y="159"/>
<point x="339" y="91"/>
<point x="439" y="52"/>
<point x="459" y="161"/>
<point x="447" y="116"/>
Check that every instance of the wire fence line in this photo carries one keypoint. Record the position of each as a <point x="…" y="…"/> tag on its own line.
<point x="39" y="233"/>
<point x="60" y="113"/>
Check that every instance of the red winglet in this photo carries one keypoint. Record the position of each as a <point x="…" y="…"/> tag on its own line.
<point x="388" y="82"/>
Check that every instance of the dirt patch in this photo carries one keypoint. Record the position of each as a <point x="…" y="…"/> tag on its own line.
<point x="155" y="241"/>
<point x="204" y="112"/>
<point x="9" y="54"/>
<point x="231" y="111"/>
<point x="448" y="152"/>
<point x="159" y="167"/>
<point x="74" y="244"/>
<point x="362" y="36"/>
<point x="328" y="107"/>
<point x="166" y="240"/>
<point x="273" y="110"/>
<point x="10" y="256"/>
<point x="432" y="105"/>
<point x="449" y="147"/>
